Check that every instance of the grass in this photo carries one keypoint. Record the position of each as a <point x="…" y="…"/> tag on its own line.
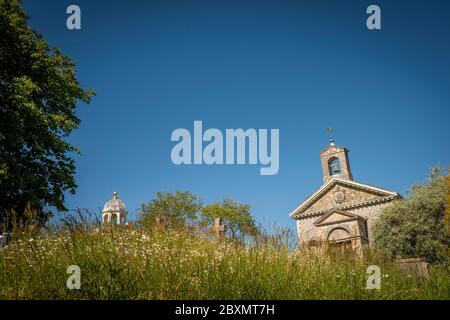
<point x="118" y="263"/>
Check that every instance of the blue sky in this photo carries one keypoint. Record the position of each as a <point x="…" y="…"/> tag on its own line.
<point x="300" y="66"/>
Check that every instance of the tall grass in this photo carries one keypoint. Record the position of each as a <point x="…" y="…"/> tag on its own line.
<point x="119" y="263"/>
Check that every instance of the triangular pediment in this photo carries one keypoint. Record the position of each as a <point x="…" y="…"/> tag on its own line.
<point x="336" y="216"/>
<point x="341" y="194"/>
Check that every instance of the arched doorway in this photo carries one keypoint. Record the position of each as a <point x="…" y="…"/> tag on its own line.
<point x="339" y="240"/>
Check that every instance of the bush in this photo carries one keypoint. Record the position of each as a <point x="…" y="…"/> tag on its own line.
<point x="414" y="226"/>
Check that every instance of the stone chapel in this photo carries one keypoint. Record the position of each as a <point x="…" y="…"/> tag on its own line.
<point x="342" y="211"/>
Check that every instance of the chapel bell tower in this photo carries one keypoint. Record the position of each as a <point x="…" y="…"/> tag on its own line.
<point x="335" y="162"/>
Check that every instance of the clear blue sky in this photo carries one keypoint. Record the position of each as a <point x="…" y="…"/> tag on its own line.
<point x="299" y="66"/>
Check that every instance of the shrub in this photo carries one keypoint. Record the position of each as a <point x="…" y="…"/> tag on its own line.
<point x="414" y="226"/>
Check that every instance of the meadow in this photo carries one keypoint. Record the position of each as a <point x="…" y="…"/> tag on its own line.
<point x="121" y="263"/>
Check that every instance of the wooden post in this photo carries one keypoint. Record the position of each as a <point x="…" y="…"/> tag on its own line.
<point x="158" y="222"/>
<point x="219" y="228"/>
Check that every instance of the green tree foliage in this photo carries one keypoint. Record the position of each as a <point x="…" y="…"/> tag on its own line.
<point x="447" y="206"/>
<point x="414" y="226"/>
<point x="38" y="97"/>
<point x="236" y="216"/>
<point x="171" y="210"/>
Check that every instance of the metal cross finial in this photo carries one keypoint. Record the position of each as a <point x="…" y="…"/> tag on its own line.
<point x="330" y="134"/>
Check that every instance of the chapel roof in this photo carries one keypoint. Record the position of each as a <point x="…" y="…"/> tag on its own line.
<point x="384" y="193"/>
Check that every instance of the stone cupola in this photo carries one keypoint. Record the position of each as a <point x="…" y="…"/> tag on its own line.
<point x="114" y="211"/>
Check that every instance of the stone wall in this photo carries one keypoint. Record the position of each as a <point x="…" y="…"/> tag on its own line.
<point x="306" y="230"/>
<point x="371" y="213"/>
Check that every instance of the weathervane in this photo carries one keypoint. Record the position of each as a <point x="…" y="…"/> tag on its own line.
<point x="330" y="134"/>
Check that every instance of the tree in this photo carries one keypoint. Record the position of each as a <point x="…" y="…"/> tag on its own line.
<point x="38" y="98"/>
<point x="414" y="226"/>
<point x="236" y="216"/>
<point x="171" y="209"/>
<point x="447" y="206"/>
